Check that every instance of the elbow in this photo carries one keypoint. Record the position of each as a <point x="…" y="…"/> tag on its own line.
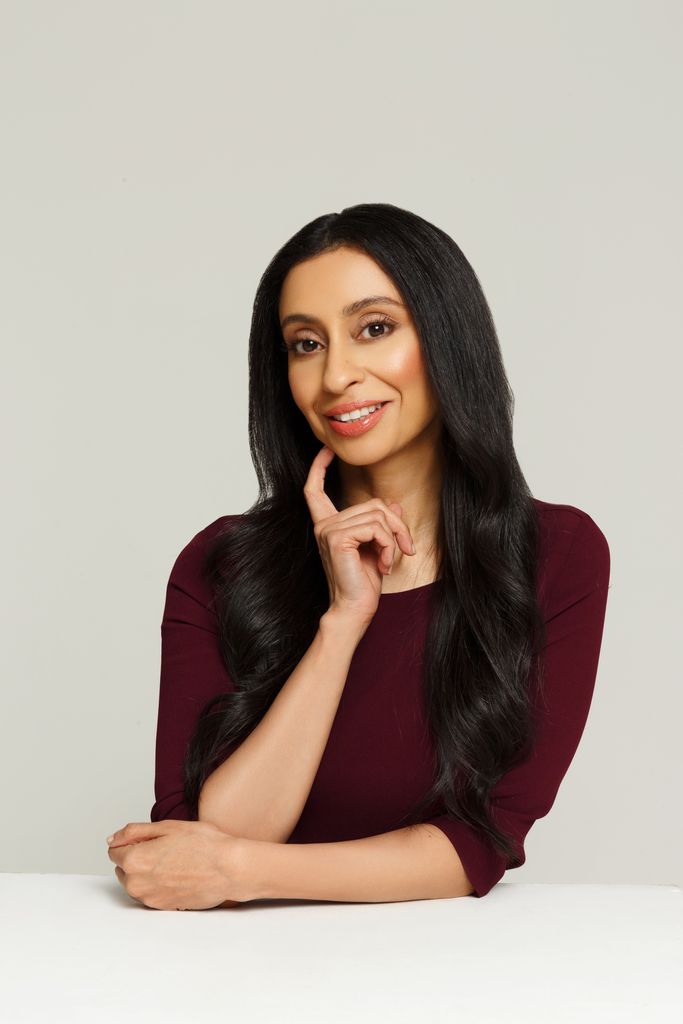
<point x="447" y="863"/>
<point x="467" y="889"/>
<point x="462" y="887"/>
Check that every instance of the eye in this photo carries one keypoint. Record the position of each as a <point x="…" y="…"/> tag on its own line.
<point x="383" y="321"/>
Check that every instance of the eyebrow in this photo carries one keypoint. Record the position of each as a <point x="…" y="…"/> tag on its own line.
<point x="353" y="307"/>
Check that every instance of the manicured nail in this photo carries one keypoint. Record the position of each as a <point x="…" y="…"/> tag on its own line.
<point x="110" y="839"/>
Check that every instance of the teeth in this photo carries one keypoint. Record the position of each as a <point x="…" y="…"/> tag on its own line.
<point x="357" y="413"/>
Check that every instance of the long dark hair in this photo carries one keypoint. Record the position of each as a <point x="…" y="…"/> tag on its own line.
<point x="486" y="631"/>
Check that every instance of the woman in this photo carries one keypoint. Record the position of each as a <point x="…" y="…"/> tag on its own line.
<point x="373" y="681"/>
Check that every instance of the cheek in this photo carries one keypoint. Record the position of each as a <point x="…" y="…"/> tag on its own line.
<point x="299" y="391"/>
<point x="412" y="368"/>
<point x="409" y="377"/>
<point x="304" y="395"/>
<point x="407" y="370"/>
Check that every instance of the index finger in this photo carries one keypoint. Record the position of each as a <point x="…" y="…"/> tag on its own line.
<point x="319" y="503"/>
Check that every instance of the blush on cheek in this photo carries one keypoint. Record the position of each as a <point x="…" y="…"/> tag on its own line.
<point x="406" y="366"/>
<point x="414" y="364"/>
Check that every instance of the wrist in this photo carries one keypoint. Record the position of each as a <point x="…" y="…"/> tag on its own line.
<point x="336" y="622"/>
<point x="248" y="869"/>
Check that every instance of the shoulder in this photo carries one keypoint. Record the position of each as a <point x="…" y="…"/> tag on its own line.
<point x="574" y="552"/>
<point x="187" y="570"/>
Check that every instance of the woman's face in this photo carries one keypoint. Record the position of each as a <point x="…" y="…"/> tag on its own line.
<point x="336" y="356"/>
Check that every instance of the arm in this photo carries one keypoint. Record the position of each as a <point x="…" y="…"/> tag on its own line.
<point x="414" y="863"/>
<point x="575" y="621"/>
<point x="259" y="792"/>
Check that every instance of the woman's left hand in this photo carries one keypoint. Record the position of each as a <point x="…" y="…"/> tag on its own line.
<point x="178" y="865"/>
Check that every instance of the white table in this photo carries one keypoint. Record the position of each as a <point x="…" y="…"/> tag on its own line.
<point x="78" y="948"/>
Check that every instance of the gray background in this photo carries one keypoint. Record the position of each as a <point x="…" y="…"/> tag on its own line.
<point x="154" y="157"/>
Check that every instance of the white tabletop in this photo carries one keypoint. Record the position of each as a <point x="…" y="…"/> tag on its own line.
<point x="78" y="948"/>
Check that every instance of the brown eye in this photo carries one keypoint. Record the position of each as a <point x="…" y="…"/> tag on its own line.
<point x="291" y="347"/>
<point x="383" y="321"/>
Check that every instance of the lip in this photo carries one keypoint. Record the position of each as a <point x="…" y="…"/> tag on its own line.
<point x="337" y="410"/>
<point x="360" y="426"/>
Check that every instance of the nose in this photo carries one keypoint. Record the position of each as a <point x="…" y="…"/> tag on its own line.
<point x="341" y="367"/>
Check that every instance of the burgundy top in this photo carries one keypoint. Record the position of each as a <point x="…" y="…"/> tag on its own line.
<point x="378" y="760"/>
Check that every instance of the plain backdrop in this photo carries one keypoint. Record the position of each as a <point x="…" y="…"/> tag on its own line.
<point x="155" y="155"/>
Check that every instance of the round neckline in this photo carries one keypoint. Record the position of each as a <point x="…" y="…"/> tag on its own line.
<point x="411" y="590"/>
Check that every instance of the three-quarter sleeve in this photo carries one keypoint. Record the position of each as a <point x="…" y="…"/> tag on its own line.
<point x="574" y="620"/>
<point x="192" y="672"/>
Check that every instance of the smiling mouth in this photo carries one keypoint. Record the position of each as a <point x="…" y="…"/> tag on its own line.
<point x="358" y="425"/>
<point x="354" y="415"/>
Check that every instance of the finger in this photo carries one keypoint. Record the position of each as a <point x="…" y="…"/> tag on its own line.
<point x="405" y="538"/>
<point x="115" y="855"/>
<point x="121" y="875"/>
<point x="319" y="503"/>
<point x="139" y="831"/>
<point x="394" y="522"/>
<point x="120" y="854"/>
<point x="322" y="507"/>
<point x="367" y="532"/>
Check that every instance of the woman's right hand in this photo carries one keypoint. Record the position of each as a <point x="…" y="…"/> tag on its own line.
<point x="354" y="577"/>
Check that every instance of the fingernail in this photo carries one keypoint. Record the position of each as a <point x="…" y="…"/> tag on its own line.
<point x="110" y="839"/>
<point x="413" y="547"/>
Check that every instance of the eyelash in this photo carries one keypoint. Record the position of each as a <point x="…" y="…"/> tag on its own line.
<point x="383" y="319"/>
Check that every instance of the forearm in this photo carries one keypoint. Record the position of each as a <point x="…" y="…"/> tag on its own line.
<point x="414" y="863"/>
<point x="260" y="791"/>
